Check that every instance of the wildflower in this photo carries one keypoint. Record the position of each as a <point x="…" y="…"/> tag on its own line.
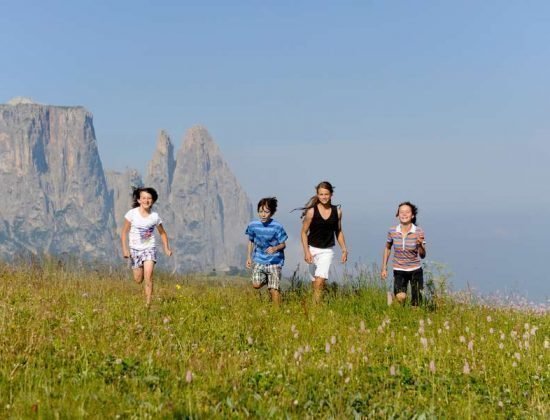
<point x="365" y="359"/>
<point x="501" y="346"/>
<point x="296" y="334"/>
<point x="327" y="348"/>
<point x="534" y="330"/>
<point x="389" y="298"/>
<point x="467" y="329"/>
<point x="340" y="372"/>
<point x="178" y="286"/>
<point x="352" y="350"/>
<point x="491" y="331"/>
<point x="446" y="325"/>
<point x="362" y="326"/>
<point x="439" y="330"/>
<point x="297" y="355"/>
<point x="546" y="344"/>
<point x="392" y="370"/>
<point x="166" y="320"/>
<point x="421" y="330"/>
<point x="346" y="380"/>
<point x="295" y="402"/>
<point x="250" y="341"/>
<point x="502" y="336"/>
<point x="333" y="340"/>
<point x="526" y="326"/>
<point x="466" y="368"/>
<point x="462" y="339"/>
<point x="84" y="295"/>
<point x="188" y="377"/>
<point x="517" y="356"/>
<point x="526" y="344"/>
<point x="429" y="321"/>
<point x="307" y="349"/>
<point x="471" y="345"/>
<point x="500" y="404"/>
<point x="421" y="322"/>
<point x="293" y="328"/>
<point x="514" y="364"/>
<point x="424" y="342"/>
<point x="432" y="366"/>
<point x="489" y="319"/>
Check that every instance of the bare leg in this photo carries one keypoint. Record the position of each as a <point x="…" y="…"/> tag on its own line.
<point x="401" y="297"/>
<point x="148" y="267"/>
<point x="275" y="296"/>
<point x="138" y="275"/>
<point x="318" y="286"/>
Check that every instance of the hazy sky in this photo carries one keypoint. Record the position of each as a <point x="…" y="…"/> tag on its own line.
<point x="446" y="104"/>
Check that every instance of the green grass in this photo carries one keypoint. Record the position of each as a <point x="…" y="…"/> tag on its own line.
<point x="82" y="344"/>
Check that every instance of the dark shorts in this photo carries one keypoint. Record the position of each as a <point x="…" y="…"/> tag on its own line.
<point x="401" y="280"/>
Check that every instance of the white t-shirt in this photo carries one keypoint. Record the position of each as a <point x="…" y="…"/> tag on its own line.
<point x="142" y="228"/>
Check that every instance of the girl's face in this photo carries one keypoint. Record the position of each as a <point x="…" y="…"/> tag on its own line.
<point x="405" y="214"/>
<point x="324" y="195"/>
<point x="264" y="214"/>
<point x="145" y="200"/>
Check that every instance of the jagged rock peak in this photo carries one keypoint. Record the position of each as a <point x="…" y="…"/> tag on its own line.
<point x="21" y="100"/>
<point x="198" y="134"/>
<point x="163" y="142"/>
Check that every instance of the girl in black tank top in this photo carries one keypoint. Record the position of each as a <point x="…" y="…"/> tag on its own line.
<point x="322" y="224"/>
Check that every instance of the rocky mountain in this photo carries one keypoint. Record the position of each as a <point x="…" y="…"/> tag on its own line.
<point x="60" y="201"/>
<point x="55" y="195"/>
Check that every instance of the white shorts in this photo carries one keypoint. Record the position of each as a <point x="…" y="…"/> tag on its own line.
<point x="322" y="259"/>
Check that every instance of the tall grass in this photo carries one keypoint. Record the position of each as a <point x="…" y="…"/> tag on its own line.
<point x="80" y="343"/>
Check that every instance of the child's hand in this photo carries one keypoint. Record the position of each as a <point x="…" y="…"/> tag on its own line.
<point x="271" y="250"/>
<point x="420" y="239"/>
<point x="344" y="256"/>
<point x="384" y="274"/>
<point x="168" y="252"/>
<point x="125" y="254"/>
<point x="308" y="258"/>
<point x="248" y="263"/>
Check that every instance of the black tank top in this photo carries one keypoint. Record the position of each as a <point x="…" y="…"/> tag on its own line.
<point x="322" y="231"/>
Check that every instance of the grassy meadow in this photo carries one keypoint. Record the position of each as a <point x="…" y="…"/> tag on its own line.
<point x="77" y="343"/>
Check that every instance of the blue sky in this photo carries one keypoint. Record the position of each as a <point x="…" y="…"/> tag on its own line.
<point x="442" y="103"/>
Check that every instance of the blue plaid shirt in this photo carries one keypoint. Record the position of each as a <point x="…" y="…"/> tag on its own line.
<point x="264" y="235"/>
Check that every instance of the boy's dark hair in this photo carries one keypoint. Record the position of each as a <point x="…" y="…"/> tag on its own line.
<point x="137" y="191"/>
<point x="270" y="203"/>
<point x="413" y="208"/>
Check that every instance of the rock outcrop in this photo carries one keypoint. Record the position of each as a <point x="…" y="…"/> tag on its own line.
<point x="208" y="209"/>
<point x="58" y="200"/>
<point x="54" y="190"/>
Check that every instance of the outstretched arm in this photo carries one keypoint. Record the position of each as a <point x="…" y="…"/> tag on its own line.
<point x="249" y="254"/>
<point x="164" y="238"/>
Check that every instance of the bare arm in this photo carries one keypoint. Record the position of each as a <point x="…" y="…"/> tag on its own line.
<point x="340" y="238"/>
<point x="385" y="258"/>
<point x="305" y="229"/>
<point x="421" y="246"/>
<point x="164" y="238"/>
<point x="276" y="248"/>
<point x="124" y="237"/>
<point x="249" y="254"/>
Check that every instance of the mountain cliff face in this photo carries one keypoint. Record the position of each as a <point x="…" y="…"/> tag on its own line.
<point x="54" y="189"/>
<point x="209" y="209"/>
<point x="58" y="200"/>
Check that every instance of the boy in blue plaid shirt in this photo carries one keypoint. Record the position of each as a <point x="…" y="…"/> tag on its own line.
<point x="267" y="241"/>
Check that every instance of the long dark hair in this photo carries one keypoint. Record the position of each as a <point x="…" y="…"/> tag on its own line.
<point x="137" y="191"/>
<point x="414" y="210"/>
<point x="313" y="201"/>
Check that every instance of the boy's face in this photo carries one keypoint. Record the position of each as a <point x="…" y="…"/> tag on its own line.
<point x="264" y="214"/>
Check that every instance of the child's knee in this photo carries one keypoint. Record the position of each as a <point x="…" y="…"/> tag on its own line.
<point x="256" y="286"/>
<point x="401" y="297"/>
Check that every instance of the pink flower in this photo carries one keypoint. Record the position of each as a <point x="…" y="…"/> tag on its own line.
<point x="432" y="366"/>
<point x="327" y="348"/>
<point x="471" y="345"/>
<point x="466" y="368"/>
<point x="188" y="377"/>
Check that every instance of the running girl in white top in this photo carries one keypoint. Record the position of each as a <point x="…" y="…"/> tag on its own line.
<point x="139" y="225"/>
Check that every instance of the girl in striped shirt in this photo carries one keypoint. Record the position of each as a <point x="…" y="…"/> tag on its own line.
<point x="409" y="247"/>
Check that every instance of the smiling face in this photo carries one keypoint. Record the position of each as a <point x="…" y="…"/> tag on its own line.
<point x="405" y="214"/>
<point x="264" y="214"/>
<point x="324" y="196"/>
<point x="145" y="200"/>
